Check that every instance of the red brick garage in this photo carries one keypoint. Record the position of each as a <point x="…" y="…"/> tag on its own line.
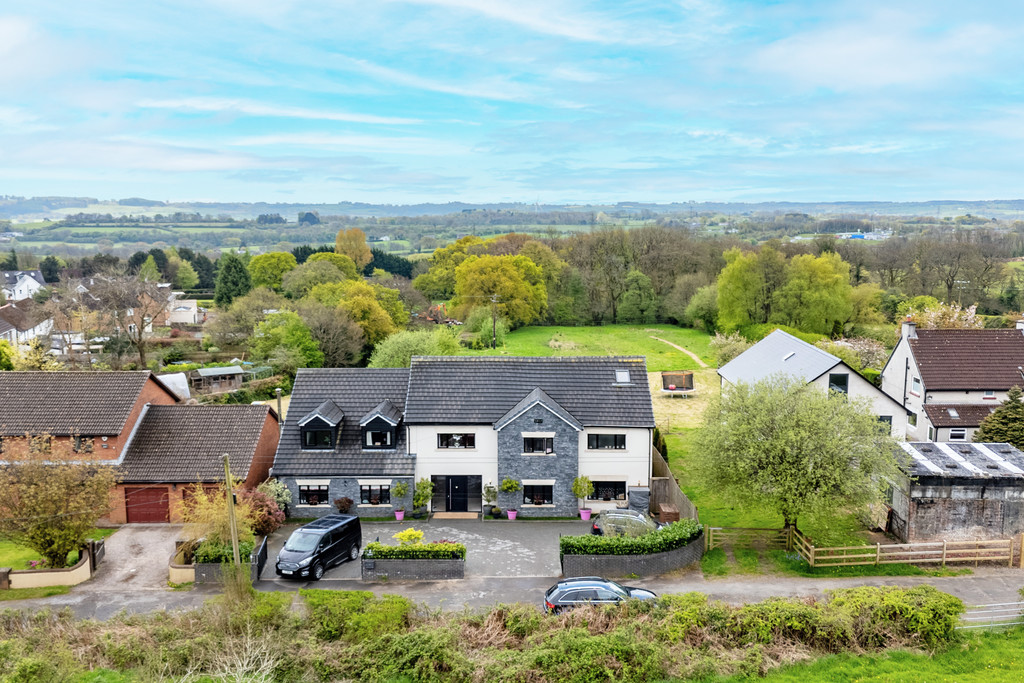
<point x="147" y="504"/>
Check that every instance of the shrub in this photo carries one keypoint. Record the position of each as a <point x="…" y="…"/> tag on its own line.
<point x="422" y="494"/>
<point x="509" y="485"/>
<point x="669" y="537"/>
<point x="409" y="536"/>
<point x="267" y="516"/>
<point x="356" y="615"/>
<point x="215" y="552"/>
<point x="758" y="332"/>
<point x="426" y="655"/>
<point x="343" y="504"/>
<point x="276" y="489"/>
<point x="416" y="551"/>
<point x="727" y="347"/>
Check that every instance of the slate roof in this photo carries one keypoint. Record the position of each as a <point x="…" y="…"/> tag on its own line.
<point x="966" y="414"/>
<point x="964" y="460"/>
<point x="537" y="396"/>
<point x="328" y="412"/>
<point x="969" y="359"/>
<point x="385" y="409"/>
<point x="65" y="403"/>
<point x="481" y="389"/>
<point x="21" y="315"/>
<point x="187" y="443"/>
<point x="356" y="392"/>
<point x="11" y="277"/>
<point x="779" y="353"/>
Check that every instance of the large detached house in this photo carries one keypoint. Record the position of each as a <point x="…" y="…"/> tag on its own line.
<point x="134" y="422"/>
<point x="16" y="285"/>
<point x="466" y="423"/>
<point x="951" y="380"/>
<point x="780" y="353"/>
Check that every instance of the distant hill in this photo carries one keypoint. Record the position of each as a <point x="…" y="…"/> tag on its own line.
<point x="21" y="209"/>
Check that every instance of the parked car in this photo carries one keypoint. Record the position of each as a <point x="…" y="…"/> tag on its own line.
<point x="319" y="545"/>
<point x="623" y="523"/>
<point x="590" y="590"/>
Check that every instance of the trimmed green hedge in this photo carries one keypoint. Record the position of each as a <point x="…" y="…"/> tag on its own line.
<point x="210" y="552"/>
<point x="416" y="551"/>
<point x="670" y="537"/>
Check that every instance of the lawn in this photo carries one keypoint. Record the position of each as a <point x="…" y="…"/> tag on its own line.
<point x="18" y="557"/>
<point x="33" y="593"/>
<point x="610" y="340"/>
<point x="982" y="658"/>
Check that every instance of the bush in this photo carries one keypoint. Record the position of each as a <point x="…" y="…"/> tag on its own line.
<point x="215" y="552"/>
<point x="267" y="516"/>
<point x="670" y="537"/>
<point x="276" y="489"/>
<point x="343" y="504"/>
<point x="426" y="655"/>
<point x="416" y="551"/>
<point x="356" y="615"/>
<point x="756" y="333"/>
<point x="727" y="347"/>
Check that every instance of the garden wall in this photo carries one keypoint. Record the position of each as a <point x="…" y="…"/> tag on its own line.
<point x="375" y="569"/>
<point x="40" y="578"/>
<point x="634" y="565"/>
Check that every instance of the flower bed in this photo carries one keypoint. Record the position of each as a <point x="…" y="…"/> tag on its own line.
<point x="413" y="559"/>
<point x="416" y="551"/>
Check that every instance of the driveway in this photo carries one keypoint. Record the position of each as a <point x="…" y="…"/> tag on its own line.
<point x="135" y="560"/>
<point x="494" y="548"/>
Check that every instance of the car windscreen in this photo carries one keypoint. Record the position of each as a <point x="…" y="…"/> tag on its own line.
<point x="612" y="586"/>
<point x="302" y="541"/>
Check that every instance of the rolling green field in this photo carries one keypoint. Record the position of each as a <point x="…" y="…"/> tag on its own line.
<point x="610" y="340"/>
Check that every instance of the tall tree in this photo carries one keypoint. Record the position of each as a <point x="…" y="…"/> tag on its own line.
<point x="639" y="302"/>
<point x="817" y="294"/>
<point x="11" y="263"/>
<point x="149" y="271"/>
<point x="512" y="286"/>
<point x="352" y="243"/>
<point x="788" y="447"/>
<point x="268" y="270"/>
<point x="1006" y="423"/>
<point x="50" y="268"/>
<point x="285" y="341"/>
<point x="232" y="280"/>
<point x="186" y="277"/>
<point x="340" y="261"/>
<point x="338" y="336"/>
<point x="131" y="304"/>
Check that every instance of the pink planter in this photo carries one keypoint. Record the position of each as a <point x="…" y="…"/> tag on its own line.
<point x="512" y="513"/>
<point x="585" y="514"/>
<point x="399" y="515"/>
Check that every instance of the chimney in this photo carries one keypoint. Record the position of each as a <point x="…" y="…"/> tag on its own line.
<point x="909" y="329"/>
<point x="1020" y="324"/>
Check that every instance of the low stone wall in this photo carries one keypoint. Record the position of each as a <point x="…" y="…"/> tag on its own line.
<point x="615" y="566"/>
<point x="210" y="573"/>
<point x="178" y="571"/>
<point x="375" y="569"/>
<point x="41" y="578"/>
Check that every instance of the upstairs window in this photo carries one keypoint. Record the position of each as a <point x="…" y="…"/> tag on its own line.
<point x="456" y="440"/>
<point x="379" y="438"/>
<point x="600" y="442"/>
<point x="317" y="438"/>
<point x="538" y="445"/>
<point x="990" y="394"/>
<point x="957" y="434"/>
<point x="839" y="382"/>
<point x="83" y="444"/>
<point x="915" y="386"/>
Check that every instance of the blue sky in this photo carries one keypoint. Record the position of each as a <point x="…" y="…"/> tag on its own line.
<point x="512" y="100"/>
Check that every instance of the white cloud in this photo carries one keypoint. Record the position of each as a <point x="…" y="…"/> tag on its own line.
<point x="371" y="143"/>
<point x="885" y="50"/>
<point x="250" y="108"/>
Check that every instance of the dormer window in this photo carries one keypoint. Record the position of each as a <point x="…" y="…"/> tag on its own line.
<point x="317" y="438"/>
<point x="320" y="428"/>
<point x="379" y="438"/>
<point x="378" y="426"/>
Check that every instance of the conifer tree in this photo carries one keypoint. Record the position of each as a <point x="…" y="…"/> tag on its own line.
<point x="232" y="280"/>
<point x="1005" y="424"/>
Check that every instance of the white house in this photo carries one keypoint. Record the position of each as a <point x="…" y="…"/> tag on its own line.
<point x="22" y="322"/>
<point x="468" y="423"/>
<point x="782" y="353"/>
<point x="20" y="284"/>
<point x="950" y="380"/>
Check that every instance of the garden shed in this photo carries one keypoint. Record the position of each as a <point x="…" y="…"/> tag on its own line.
<point x="959" y="491"/>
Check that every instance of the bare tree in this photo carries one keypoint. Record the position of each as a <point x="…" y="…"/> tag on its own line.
<point x="131" y="304"/>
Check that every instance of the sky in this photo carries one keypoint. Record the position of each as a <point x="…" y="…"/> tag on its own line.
<point x="552" y="101"/>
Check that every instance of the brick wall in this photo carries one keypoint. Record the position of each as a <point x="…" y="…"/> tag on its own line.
<point x="266" y="448"/>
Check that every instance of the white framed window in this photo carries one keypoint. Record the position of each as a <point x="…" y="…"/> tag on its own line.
<point x="959" y="434"/>
<point x="915" y="386"/>
<point x="990" y="395"/>
<point x="912" y="419"/>
<point x="456" y="440"/>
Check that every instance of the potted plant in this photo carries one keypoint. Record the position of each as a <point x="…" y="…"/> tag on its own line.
<point x="490" y="498"/>
<point x="509" y="485"/>
<point x="421" y="496"/>
<point x="583" y="488"/>
<point x="399" y="491"/>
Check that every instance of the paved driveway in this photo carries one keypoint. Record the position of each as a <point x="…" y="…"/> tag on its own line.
<point x="136" y="559"/>
<point x="493" y="548"/>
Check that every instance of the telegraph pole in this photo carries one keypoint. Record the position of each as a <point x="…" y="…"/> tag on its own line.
<point x="494" y="321"/>
<point x="231" y="509"/>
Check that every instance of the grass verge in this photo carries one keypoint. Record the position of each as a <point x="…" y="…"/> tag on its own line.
<point x="792" y="565"/>
<point x="32" y="593"/>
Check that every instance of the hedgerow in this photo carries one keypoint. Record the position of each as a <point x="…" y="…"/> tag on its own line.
<point x="416" y="551"/>
<point x="669" y="537"/>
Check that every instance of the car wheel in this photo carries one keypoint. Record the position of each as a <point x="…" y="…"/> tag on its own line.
<point x="318" y="572"/>
<point x="353" y="552"/>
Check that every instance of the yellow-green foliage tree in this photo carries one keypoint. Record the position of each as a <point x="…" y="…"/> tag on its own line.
<point x="513" y="285"/>
<point x="816" y="296"/>
<point x="359" y="300"/>
<point x="205" y="514"/>
<point x="268" y="270"/>
<point x="6" y="355"/>
<point x="352" y="243"/>
<point x="340" y="261"/>
<point x="438" y="283"/>
<point x="51" y="496"/>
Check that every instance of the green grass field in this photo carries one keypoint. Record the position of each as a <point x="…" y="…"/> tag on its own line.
<point x="982" y="658"/>
<point x="610" y="340"/>
<point x="18" y="557"/>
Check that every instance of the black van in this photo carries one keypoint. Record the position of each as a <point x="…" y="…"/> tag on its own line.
<point x="320" y="545"/>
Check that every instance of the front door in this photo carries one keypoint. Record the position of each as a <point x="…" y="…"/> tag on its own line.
<point x="458" y="494"/>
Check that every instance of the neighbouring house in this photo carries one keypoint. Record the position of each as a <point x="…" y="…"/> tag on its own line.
<point x="958" y="491"/>
<point x="466" y="423"/>
<point x="184" y="311"/>
<point x="20" y="284"/>
<point x="781" y="353"/>
<point x="210" y="380"/>
<point x="177" y="447"/>
<point x="133" y="421"/>
<point x="947" y="379"/>
<point x="22" y="321"/>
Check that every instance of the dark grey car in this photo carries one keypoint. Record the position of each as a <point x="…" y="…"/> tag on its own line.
<point x="590" y="590"/>
<point x="319" y="545"/>
<point x="614" y="523"/>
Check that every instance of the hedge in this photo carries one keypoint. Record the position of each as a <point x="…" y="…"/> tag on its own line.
<point x="670" y="537"/>
<point x="211" y="552"/>
<point x="416" y="551"/>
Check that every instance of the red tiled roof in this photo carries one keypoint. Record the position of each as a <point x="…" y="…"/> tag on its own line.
<point x="969" y="359"/>
<point x="968" y="414"/>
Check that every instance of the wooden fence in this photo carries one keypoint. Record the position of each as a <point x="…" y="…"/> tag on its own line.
<point x="665" y="490"/>
<point x="793" y="540"/>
